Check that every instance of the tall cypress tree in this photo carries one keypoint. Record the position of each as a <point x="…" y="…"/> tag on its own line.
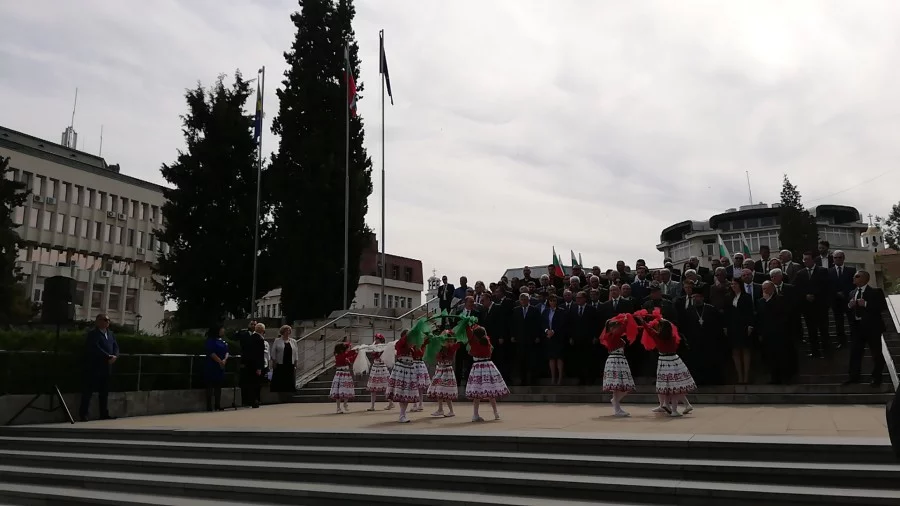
<point x="210" y="213"/>
<point x="799" y="232"/>
<point x="306" y="178"/>
<point x="12" y="195"/>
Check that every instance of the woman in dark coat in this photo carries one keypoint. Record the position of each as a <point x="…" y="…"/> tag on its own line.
<point x="739" y="318"/>
<point x="214" y="367"/>
<point x="554" y="339"/>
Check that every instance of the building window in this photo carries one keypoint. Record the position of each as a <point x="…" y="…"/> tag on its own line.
<point x="395" y="272"/>
<point x="65" y="191"/>
<point x="97" y="296"/>
<point x="140" y="239"/>
<point x="680" y="252"/>
<point x="84" y="227"/>
<point x="80" y="288"/>
<point x="390" y="301"/>
<point x="73" y="225"/>
<point x="32" y="217"/>
<point x="409" y="302"/>
<point x="115" y="295"/>
<point x="97" y="230"/>
<point x="835" y="236"/>
<point x="407" y="274"/>
<point x="130" y="299"/>
<point x="45" y="221"/>
<point x="60" y="223"/>
<point x="51" y="188"/>
<point x="19" y="216"/>
<point x="377" y="296"/>
<point x="152" y="243"/>
<point x="123" y="205"/>
<point x="754" y="241"/>
<point x="38" y="189"/>
<point x="107" y="233"/>
<point x="118" y="236"/>
<point x="131" y="237"/>
<point x="153" y="212"/>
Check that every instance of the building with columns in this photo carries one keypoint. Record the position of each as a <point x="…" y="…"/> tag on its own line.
<point x="87" y="220"/>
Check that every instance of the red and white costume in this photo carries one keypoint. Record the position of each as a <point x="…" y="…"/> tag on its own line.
<point x="485" y="381"/>
<point x="403" y="385"/>
<point x="378" y="374"/>
<point x="616" y="373"/>
<point x="343" y="388"/>
<point x="672" y="376"/>
<point x="443" y="386"/>
<point x="422" y="375"/>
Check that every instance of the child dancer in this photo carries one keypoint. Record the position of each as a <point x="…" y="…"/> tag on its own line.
<point x="403" y="387"/>
<point x="443" y="386"/>
<point x="673" y="380"/>
<point x="422" y="376"/>
<point x="378" y="375"/>
<point x="619" y="331"/>
<point x="485" y="381"/>
<point x="343" y="387"/>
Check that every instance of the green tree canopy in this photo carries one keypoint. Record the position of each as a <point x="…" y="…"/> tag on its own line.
<point x="799" y="232"/>
<point x="13" y="300"/>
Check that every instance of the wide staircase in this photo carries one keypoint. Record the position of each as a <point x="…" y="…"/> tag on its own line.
<point x="68" y="467"/>
<point x="819" y="381"/>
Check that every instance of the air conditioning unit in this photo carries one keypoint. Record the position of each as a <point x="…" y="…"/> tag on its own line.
<point x="141" y="251"/>
<point x="105" y="274"/>
<point x="51" y="200"/>
<point x="122" y="216"/>
<point x="37" y="198"/>
<point x="110" y="214"/>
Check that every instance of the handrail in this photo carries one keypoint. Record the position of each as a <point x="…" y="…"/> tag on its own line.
<point x="168" y="355"/>
<point x="363" y="315"/>
<point x="888" y="359"/>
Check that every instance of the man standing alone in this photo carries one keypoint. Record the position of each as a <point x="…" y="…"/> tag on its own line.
<point x="101" y="352"/>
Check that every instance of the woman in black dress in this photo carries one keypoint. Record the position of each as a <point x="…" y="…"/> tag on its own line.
<point x="739" y="329"/>
<point x="554" y="325"/>
<point x="284" y="357"/>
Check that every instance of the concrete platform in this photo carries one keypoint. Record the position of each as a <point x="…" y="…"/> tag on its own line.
<point x="735" y="420"/>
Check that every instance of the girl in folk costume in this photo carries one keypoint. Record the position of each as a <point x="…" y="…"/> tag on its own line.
<point x="403" y="385"/>
<point x="618" y="332"/>
<point x="378" y="373"/>
<point x="443" y="386"/>
<point x="422" y="375"/>
<point x="343" y="387"/>
<point x="673" y="380"/>
<point x="485" y="381"/>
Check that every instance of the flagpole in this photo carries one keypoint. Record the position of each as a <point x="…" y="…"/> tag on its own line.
<point x="262" y="87"/>
<point x="347" y="177"/>
<point x="383" y="226"/>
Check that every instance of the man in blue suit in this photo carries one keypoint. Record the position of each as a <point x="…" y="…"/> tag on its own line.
<point x="101" y="352"/>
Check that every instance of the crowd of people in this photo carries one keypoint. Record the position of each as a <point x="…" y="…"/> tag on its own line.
<point x="737" y="309"/>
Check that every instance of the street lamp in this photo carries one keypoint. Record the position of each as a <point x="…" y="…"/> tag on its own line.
<point x="137" y="329"/>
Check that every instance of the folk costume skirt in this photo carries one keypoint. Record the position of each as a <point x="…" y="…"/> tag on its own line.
<point x="378" y="377"/>
<point x="617" y="374"/>
<point x="672" y="376"/>
<point x="485" y="381"/>
<point x="403" y="385"/>
<point x="443" y="386"/>
<point x="422" y="374"/>
<point x="343" y="387"/>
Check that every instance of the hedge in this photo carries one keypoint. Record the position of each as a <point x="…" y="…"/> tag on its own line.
<point x="22" y="371"/>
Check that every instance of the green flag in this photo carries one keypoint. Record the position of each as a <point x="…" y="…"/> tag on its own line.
<point x="745" y="246"/>
<point x="723" y="251"/>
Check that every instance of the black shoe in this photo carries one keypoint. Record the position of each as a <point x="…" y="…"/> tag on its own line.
<point x="255" y="406"/>
<point x="107" y="417"/>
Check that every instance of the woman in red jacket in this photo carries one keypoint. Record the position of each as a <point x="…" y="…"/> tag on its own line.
<point x="443" y="386"/>
<point x="485" y="381"/>
<point x="343" y="388"/>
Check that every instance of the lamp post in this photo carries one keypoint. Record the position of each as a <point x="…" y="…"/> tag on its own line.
<point x="137" y="328"/>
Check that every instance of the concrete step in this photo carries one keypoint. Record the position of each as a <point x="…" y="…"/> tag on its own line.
<point x="526" y="488"/>
<point x="360" y="465"/>
<point x="19" y="494"/>
<point x="651" y="398"/>
<point x="161" y="442"/>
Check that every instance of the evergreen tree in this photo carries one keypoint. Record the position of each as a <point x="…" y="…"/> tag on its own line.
<point x="307" y="174"/>
<point x="210" y="214"/>
<point x="12" y="297"/>
<point x="799" y="232"/>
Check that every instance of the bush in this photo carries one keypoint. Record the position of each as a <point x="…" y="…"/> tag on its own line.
<point x="28" y="365"/>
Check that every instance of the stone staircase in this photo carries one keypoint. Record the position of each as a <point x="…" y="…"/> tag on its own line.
<point x="818" y="382"/>
<point x="68" y="467"/>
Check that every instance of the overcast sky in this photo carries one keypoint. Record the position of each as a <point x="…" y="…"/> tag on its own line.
<point x="517" y="125"/>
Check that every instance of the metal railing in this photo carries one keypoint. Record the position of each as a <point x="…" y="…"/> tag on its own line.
<point x="29" y="371"/>
<point x="888" y="359"/>
<point x="316" y="355"/>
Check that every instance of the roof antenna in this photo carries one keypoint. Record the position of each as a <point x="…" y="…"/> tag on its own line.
<point x="749" y="191"/>
<point x="74" y="105"/>
<point x="101" y="141"/>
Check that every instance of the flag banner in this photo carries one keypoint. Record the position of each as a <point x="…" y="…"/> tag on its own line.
<point x="580" y="263"/>
<point x="257" y="122"/>
<point x="574" y="260"/>
<point x="383" y="68"/>
<point x="723" y="251"/>
<point x="745" y="246"/>
<point x="557" y="265"/>
<point x="351" y="82"/>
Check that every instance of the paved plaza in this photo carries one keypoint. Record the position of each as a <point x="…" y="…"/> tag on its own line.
<point x="745" y="420"/>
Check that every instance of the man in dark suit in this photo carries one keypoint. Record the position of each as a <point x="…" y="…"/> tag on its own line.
<point x="525" y="331"/>
<point x="865" y="307"/>
<point x="703" y="273"/>
<point x="495" y="320"/>
<point x="640" y="288"/>
<point x="771" y="326"/>
<point x="753" y="289"/>
<point x="762" y="265"/>
<point x="788" y="265"/>
<point x="445" y="295"/>
<point x="825" y="258"/>
<point x="841" y="277"/>
<point x="701" y="326"/>
<point x="793" y="325"/>
<point x="734" y="270"/>
<point x="813" y="286"/>
<point x="253" y="360"/>
<point x="584" y="329"/>
<point x="463" y="362"/>
<point x="101" y="351"/>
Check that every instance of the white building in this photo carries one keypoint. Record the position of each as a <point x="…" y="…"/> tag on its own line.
<point x="87" y="220"/>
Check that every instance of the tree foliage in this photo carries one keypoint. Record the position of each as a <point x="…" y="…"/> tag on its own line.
<point x="799" y="232"/>
<point x="890" y="227"/>
<point x="14" y="305"/>
<point x="307" y="175"/>
<point x="210" y="213"/>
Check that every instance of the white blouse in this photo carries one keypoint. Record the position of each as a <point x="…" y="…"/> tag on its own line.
<point x="277" y="352"/>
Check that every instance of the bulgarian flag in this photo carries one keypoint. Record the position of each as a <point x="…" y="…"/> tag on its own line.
<point x="745" y="246"/>
<point x="351" y="82"/>
<point x="579" y="260"/>
<point x="723" y="251"/>
<point x="557" y="265"/>
<point x="574" y="260"/>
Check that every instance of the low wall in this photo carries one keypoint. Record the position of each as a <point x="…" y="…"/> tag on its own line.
<point x="121" y="404"/>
